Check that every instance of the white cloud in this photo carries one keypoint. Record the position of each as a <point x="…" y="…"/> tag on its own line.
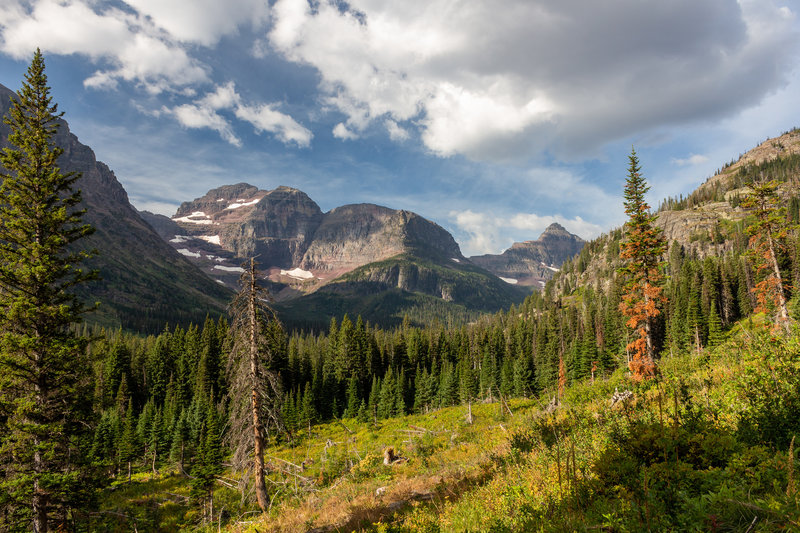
<point x="204" y="113"/>
<point x="264" y="118"/>
<point x="195" y="116"/>
<point x="135" y="49"/>
<point x="491" y="234"/>
<point x="396" y="133"/>
<point x="201" y="21"/>
<point x="693" y="159"/>
<point x="340" y="131"/>
<point x="492" y="81"/>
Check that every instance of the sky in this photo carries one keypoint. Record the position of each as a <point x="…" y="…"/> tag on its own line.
<point x="494" y="118"/>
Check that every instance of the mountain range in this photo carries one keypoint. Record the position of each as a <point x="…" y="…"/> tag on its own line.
<point x="359" y="259"/>
<point x="363" y="259"/>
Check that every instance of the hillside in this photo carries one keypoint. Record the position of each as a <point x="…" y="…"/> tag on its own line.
<point x="143" y="282"/>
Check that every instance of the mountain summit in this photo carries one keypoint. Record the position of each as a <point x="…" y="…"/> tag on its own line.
<point x="533" y="262"/>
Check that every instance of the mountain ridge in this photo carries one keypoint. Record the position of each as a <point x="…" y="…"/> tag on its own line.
<point x="143" y="282"/>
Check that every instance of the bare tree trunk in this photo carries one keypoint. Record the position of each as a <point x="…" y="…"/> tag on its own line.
<point x="258" y="437"/>
<point x="783" y="313"/>
<point x="39" y="503"/>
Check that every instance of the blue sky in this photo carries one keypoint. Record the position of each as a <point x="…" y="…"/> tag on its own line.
<point x="492" y="118"/>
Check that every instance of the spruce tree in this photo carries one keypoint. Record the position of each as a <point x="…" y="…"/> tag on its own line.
<point x="41" y="359"/>
<point x="641" y="251"/>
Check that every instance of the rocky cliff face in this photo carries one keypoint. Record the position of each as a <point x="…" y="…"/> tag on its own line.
<point x="275" y="225"/>
<point x="354" y="235"/>
<point x="533" y="262"/>
<point x="300" y="247"/>
<point x="144" y="282"/>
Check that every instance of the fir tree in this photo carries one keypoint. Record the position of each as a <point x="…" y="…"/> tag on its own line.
<point x="41" y="359"/>
<point x="641" y="251"/>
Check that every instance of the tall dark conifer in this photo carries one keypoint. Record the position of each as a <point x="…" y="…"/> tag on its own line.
<point x="42" y="367"/>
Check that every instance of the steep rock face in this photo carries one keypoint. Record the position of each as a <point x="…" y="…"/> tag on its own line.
<point x="533" y="262"/>
<point x="144" y="282"/>
<point x="354" y="235"/>
<point x="274" y="225"/>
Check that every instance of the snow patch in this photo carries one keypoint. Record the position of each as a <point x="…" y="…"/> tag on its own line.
<point x="241" y="203"/>
<point x="297" y="273"/>
<point x="554" y="269"/>
<point x="213" y="239"/>
<point x="191" y="220"/>
<point x="220" y="281"/>
<point x="228" y="269"/>
<point x="187" y="253"/>
<point x="180" y="238"/>
<point x="512" y="281"/>
<point x="456" y="260"/>
<point x="220" y="199"/>
<point x="542" y="283"/>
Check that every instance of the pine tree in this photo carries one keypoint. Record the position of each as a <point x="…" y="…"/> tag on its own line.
<point x="641" y="251"/>
<point x="256" y="390"/>
<point x="41" y="360"/>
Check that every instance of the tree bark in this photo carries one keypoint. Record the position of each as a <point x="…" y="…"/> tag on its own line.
<point x="783" y="313"/>
<point x="258" y="438"/>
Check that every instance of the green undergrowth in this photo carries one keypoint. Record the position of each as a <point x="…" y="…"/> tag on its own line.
<point x="705" y="447"/>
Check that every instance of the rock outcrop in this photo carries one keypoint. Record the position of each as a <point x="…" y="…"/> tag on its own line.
<point x="354" y="235"/>
<point x="533" y="262"/>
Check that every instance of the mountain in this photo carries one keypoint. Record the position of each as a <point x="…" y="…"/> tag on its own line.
<point x="359" y="259"/>
<point x="533" y="262"/>
<point x="144" y="282"/>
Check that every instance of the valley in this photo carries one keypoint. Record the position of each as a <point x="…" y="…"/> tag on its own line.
<point x="254" y="363"/>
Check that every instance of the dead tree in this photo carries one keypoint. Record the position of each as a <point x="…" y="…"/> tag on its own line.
<point x="255" y="383"/>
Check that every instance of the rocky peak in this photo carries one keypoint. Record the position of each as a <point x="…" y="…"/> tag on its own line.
<point x="357" y="234"/>
<point x="533" y="262"/>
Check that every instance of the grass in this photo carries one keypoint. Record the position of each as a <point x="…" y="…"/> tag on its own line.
<point x="705" y="448"/>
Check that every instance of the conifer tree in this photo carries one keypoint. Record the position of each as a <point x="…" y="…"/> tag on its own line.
<point x="641" y="251"/>
<point x="767" y="234"/>
<point x="41" y="360"/>
<point x="256" y="390"/>
<point x="209" y="463"/>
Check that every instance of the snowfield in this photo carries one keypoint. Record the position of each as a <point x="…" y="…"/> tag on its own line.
<point x="193" y="218"/>
<point x="297" y="273"/>
<point x="512" y="281"/>
<point x="187" y="253"/>
<point x="228" y="269"/>
<point x="241" y="203"/>
<point x="213" y="239"/>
